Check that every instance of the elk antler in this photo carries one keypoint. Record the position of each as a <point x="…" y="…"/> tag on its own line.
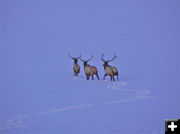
<point x="90" y="58"/>
<point x="102" y="58"/>
<point x="74" y="57"/>
<point x="78" y="57"/>
<point x="114" y="57"/>
<point x="82" y="60"/>
<point x="86" y="60"/>
<point x="70" y="56"/>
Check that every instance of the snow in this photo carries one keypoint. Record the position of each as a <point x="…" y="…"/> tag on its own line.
<point x="40" y="95"/>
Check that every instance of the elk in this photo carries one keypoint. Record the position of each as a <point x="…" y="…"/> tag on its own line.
<point x="76" y="67"/>
<point x="89" y="70"/>
<point x="109" y="70"/>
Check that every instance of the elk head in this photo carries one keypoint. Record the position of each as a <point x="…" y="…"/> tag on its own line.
<point x="107" y="61"/>
<point x="74" y="58"/>
<point x="86" y="61"/>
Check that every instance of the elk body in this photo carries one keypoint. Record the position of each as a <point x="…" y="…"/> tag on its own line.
<point x="89" y="70"/>
<point x="109" y="70"/>
<point x="76" y="67"/>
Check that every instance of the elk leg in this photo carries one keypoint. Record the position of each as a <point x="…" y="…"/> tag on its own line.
<point x="97" y="76"/>
<point x="92" y="77"/>
<point x="117" y="76"/>
<point x="87" y="77"/>
<point x="113" y="78"/>
<point x="104" y="76"/>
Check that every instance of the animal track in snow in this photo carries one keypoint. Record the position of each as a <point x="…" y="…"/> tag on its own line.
<point x="19" y="121"/>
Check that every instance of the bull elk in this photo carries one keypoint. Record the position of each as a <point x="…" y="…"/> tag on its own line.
<point x="89" y="70"/>
<point x="109" y="70"/>
<point x="76" y="67"/>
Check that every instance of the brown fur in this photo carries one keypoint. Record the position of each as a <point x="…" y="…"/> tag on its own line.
<point x="76" y="68"/>
<point x="89" y="70"/>
<point x="109" y="70"/>
<point x="115" y="71"/>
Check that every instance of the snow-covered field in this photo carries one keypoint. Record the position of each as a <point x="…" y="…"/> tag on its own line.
<point x="40" y="95"/>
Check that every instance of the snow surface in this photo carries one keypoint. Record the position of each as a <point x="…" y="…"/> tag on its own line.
<point x="40" y="95"/>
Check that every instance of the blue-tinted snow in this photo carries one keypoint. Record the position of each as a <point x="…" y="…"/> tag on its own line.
<point x="38" y="92"/>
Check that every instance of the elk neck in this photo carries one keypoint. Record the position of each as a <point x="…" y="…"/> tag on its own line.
<point x="106" y="65"/>
<point x="85" y="64"/>
<point x="75" y="61"/>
